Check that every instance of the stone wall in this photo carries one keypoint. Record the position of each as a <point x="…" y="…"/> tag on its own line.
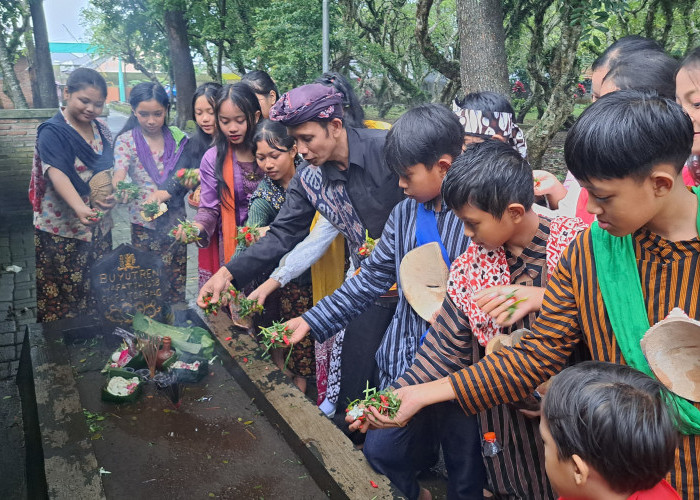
<point x="17" y="138"/>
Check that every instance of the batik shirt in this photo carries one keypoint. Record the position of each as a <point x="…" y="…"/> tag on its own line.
<point x="355" y="200"/>
<point x="573" y="313"/>
<point x="56" y="216"/>
<point x="518" y="471"/>
<point x="379" y="272"/>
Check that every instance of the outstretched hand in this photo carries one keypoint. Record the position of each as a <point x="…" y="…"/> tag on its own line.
<point x="507" y="304"/>
<point x="219" y="282"/>
<point x="263" y="291"/>
<point x="412" y="401"/>
<point x="300" y="329"/>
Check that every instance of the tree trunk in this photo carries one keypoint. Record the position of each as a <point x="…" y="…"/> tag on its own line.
<point x="46" y="81"/>
<point x="11" y="84"/>
<point x="564" y="71"/>
<point x="450" y="69"/>
<point x="181" y="63"/>
<point x="482" y="46"/>
<point x="31" y="67"/>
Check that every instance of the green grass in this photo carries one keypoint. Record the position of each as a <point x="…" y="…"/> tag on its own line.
<point x="394" y="113"/>
<point x="120" y="107"/>
<point x="531" y="116"/>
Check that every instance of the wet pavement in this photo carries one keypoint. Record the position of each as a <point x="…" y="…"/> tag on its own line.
<point x="153" y="450"/>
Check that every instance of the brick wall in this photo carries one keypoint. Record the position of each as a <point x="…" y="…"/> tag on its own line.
<point x="17" y="138"/>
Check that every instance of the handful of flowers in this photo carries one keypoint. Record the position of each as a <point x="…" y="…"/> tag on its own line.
<point x="97" y="217"/>
<point x="275" y="336"/>
<point x="131" y="189"/>
<point x="213" y="307"/>
<point x="153" y="210"/>
<point x="247" y="235"/>
<point x="191" y="231"/>
<point x="368" y="246"/>
<point x="384" y="401"/>
<point x="246" y="307"/>
<point x="185" y="175"/>
<point x="538" y="182"/>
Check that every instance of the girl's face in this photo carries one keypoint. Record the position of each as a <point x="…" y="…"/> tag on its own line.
<point x="84" y="105"/>
<point x="232" y="122"/>
<point x="278" y="165"/>
<point x="266" y="101"/>
<point x="688" y="96"/>
<point x="204" y="115"/>
<point x="151" y="116"/>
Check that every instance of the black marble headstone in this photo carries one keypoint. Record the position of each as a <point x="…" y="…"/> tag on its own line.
<point x="128" y="280"/>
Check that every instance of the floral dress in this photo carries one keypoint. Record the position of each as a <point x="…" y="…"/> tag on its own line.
<point x="153" y="236"/>
<point x="295" y="298"/>
<point x="65" y="248"/>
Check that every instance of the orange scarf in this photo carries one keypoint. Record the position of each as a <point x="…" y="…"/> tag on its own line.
<point x="229" y="227"/>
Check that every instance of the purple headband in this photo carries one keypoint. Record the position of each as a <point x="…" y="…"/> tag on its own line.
<point x="308" y="102"/>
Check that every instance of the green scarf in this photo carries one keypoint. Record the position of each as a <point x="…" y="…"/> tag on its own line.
<point x="621" y="288"/>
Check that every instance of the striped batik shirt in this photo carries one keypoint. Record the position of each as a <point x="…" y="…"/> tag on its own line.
<point x="518" y="471"/>
<point x="379" y="272"/>
<point x="573" y="313"/>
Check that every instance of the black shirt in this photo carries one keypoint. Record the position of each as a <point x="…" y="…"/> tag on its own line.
<point x="372" y="187"/>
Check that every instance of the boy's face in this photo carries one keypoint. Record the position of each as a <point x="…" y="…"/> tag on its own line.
<point x="421" y="184"/>
<point x="621" y="205"/>
<point x="560" y="473"/>
<point x="483" y="228"/>
<point x="688" y="96"/>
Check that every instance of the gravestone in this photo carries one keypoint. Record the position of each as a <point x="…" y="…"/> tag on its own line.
<point x="128" y="280"/>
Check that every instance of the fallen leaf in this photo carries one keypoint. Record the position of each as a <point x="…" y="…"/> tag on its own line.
<point x="247" y="422"/>
<point x="7" y="397"/>
<point x="83" y="360"/>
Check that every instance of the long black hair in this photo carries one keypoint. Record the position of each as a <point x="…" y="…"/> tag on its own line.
<point x="82" y="78"/>
<point x="244" y="98"/>
<point x="275" y="134"/>
<point x="261" y="83"/>
<point x="145" y="92"/>
<point x="353" y="114"/>
<point x="201" y="141"/>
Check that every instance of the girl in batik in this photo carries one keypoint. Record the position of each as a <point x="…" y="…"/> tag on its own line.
<point x="148" y="151"/>
<point x="72" y="226"/>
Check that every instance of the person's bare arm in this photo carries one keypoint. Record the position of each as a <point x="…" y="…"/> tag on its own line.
<point x="65" y="190"/>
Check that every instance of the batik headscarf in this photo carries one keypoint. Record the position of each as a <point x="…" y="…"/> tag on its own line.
<point x="305" y="103"/>
<point x="489" y="123"/>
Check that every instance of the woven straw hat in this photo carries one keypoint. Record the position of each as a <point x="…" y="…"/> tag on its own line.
<point x="672" y="349"/>
<point x="423" y="274"/>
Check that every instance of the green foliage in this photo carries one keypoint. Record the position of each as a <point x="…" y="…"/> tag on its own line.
<point x="129" y="29"/>
<point x="287" y="41"/>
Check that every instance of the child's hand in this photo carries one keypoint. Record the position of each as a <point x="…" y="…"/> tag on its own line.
<point x="263" y="291"/>
<point x="192" y="183"/>
<point x="263" y="231"/>
<point x="181" y="235"/>
<point x="87" y="215"/>
<point x="412" y="401"/>
<point x="300" y="329"/>
<point x="106" y="204"/>
<point x="507" y="304"/>
<point x="545" y="182"/>
<point x="160" y="196"/>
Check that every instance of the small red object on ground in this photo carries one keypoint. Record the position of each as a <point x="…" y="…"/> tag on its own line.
<point x="374" y="485"/>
